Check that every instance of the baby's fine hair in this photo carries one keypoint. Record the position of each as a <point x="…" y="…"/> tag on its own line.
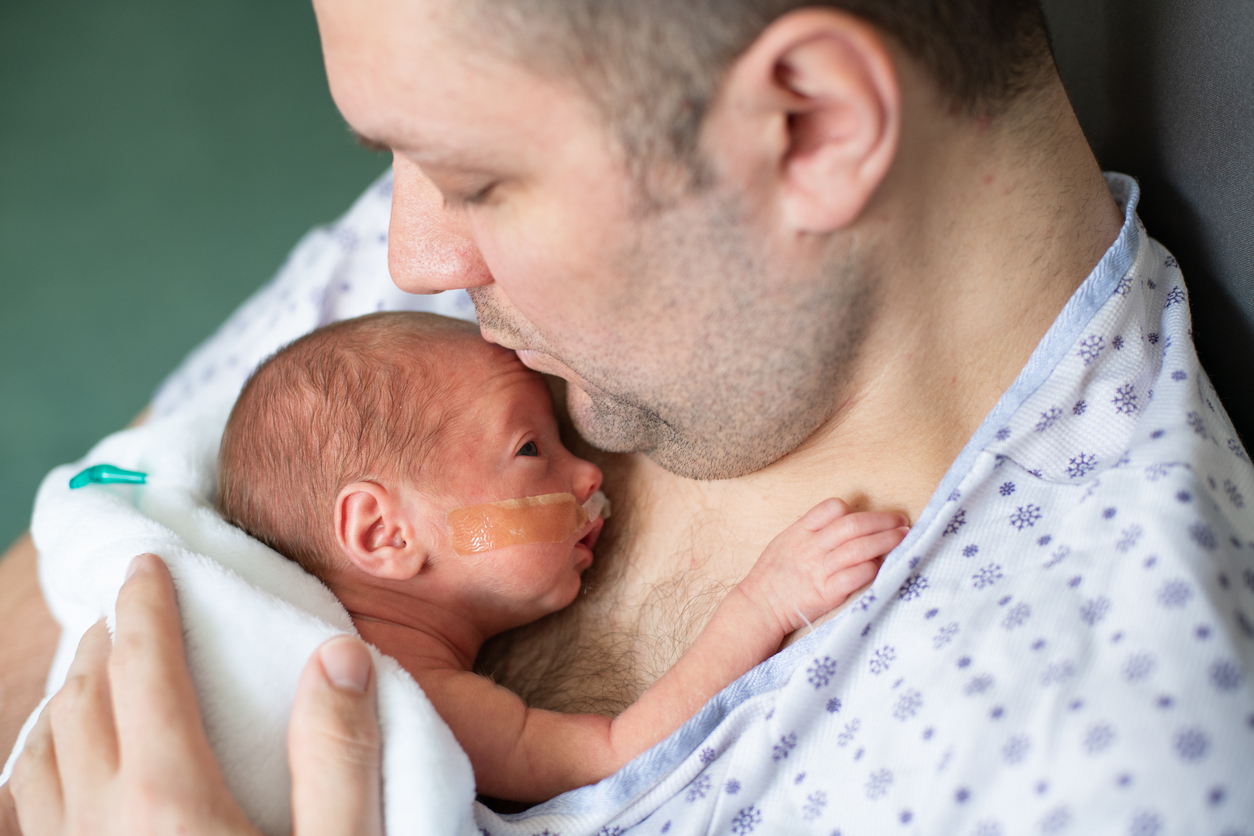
<point x="355" y="400"/>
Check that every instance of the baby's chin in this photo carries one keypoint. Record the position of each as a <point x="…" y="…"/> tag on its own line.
<point x="565" y="596"/>
<point x="569" y="598"/>
<point x="546" y="577"/>
<point x="564" y="593"/>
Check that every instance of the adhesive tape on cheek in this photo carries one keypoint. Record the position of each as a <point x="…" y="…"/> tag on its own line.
<point x="550" y="518"/>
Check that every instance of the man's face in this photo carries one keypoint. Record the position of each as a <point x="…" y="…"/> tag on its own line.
<point x="670" y="323"/>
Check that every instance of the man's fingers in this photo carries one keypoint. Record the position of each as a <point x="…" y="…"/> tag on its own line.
<point x="8" y="814"/>
<point x="147" y="768"/>
<point x="71" y="753"/>
<point x="36" y="784"/>
<point x="158" y="715"/>
<point x="93" y="651"/>
<point x="82" y="720"/>
<point x="334" y="744"/>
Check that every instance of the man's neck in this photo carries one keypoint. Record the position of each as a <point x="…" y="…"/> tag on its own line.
<point x="986" y="233"/>
<point x="995" y="226"/>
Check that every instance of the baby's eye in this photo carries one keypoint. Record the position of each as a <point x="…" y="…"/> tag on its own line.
<point x="529" y="449"/>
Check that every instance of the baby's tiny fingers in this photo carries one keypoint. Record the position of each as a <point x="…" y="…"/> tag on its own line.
<point x="824" y="514"/>
<point x="861" y="524"/>
<point x="848" y="581"/>
<point x="867" y="547"/>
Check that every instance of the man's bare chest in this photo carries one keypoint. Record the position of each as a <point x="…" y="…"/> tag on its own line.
<point x="662" y="567"/>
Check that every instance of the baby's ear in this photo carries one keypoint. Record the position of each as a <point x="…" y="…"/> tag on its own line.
<point x="376" y="534"/>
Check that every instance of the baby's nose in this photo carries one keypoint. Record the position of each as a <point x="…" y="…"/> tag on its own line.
<point x="587" y="480"/>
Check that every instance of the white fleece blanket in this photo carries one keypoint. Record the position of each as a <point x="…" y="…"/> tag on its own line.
<point x="251" y="619"/>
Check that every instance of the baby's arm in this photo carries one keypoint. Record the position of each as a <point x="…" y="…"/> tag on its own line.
<point x="528" y="754"/>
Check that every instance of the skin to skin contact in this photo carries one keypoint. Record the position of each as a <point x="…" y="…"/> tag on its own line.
<point x="977" y="233"/>
<point x="551" y="518"/>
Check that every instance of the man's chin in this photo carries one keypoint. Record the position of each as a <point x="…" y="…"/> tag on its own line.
<point x="611" y="425"/>
<point x="620" y="428"/>
<point x="605" y="427"/>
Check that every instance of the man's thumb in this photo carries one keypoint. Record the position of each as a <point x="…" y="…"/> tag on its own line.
<point x="8" y="814"/>
<point x="333" y="744"/>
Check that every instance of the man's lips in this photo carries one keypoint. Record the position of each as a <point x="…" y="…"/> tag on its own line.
<point x="495" y="338"/>
<point x="536" y="361"/>
<point x="548" y="364"/>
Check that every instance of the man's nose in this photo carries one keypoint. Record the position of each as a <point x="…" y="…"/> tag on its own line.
<point x="429" y="246"/>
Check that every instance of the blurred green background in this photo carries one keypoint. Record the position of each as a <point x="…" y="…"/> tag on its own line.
<point x="157" y="160"/>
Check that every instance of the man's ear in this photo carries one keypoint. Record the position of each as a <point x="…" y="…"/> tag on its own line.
<point x="376" y="534"/>
<point x="810" y="111"/>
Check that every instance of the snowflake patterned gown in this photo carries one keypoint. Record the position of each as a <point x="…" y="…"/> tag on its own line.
<point x="1063" y="644"/>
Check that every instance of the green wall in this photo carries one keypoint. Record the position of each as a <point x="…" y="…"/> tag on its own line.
<point x="157" y="160"/>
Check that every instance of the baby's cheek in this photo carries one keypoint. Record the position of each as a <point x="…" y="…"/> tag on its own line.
<point x="537" y="573"/>
<point x="494" y="526"/>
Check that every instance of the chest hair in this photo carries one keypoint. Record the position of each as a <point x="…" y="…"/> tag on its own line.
<point x="630" y="623"/>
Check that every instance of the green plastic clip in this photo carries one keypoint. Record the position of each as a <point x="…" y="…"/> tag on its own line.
<point x="107" y="474"/>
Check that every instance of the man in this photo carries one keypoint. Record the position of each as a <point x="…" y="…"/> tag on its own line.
<point x="781" y="253"/>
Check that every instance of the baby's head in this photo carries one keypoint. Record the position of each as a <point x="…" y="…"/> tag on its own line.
<point x="347" y="449"/>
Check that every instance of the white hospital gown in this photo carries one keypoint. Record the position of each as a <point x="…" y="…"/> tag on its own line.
<point x="1063" y="644"/>
<point x="335" y="272"/>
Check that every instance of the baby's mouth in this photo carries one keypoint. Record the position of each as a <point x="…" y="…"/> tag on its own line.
<point x="594" y="531"/>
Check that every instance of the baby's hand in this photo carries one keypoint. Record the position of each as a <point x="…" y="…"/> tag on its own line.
<point x="819" y="561"/>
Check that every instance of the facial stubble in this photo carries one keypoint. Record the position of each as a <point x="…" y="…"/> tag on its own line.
<point x="719" y="364"/>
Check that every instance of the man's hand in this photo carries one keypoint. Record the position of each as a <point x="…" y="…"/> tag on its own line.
<point x="819" y="561"/>
<point x="30" y="639"/>
<point x="121" y="748"/>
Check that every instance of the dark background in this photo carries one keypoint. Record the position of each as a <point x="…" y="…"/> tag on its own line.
<point x="1165" y="92"/>
<point x="159" y="158"/>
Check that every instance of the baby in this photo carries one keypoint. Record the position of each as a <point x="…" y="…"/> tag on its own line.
<point x="348" y="449"/>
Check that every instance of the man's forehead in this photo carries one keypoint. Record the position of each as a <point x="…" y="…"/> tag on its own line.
<point x="375" y="18"/>
<point x="406" y="79"/>
<point x="386" y="51"/>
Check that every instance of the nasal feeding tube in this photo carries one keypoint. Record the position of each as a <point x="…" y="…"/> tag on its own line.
<point x="108" y="474"/>
<point x="551" y="518"/>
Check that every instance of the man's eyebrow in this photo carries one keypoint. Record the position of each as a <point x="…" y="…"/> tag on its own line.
<point x="431" y="157"/>
<point x="370" y="144"/>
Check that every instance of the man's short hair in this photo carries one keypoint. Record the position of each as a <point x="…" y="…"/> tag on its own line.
<point x="355" y="400"/>
<point x="652" y="67"/>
